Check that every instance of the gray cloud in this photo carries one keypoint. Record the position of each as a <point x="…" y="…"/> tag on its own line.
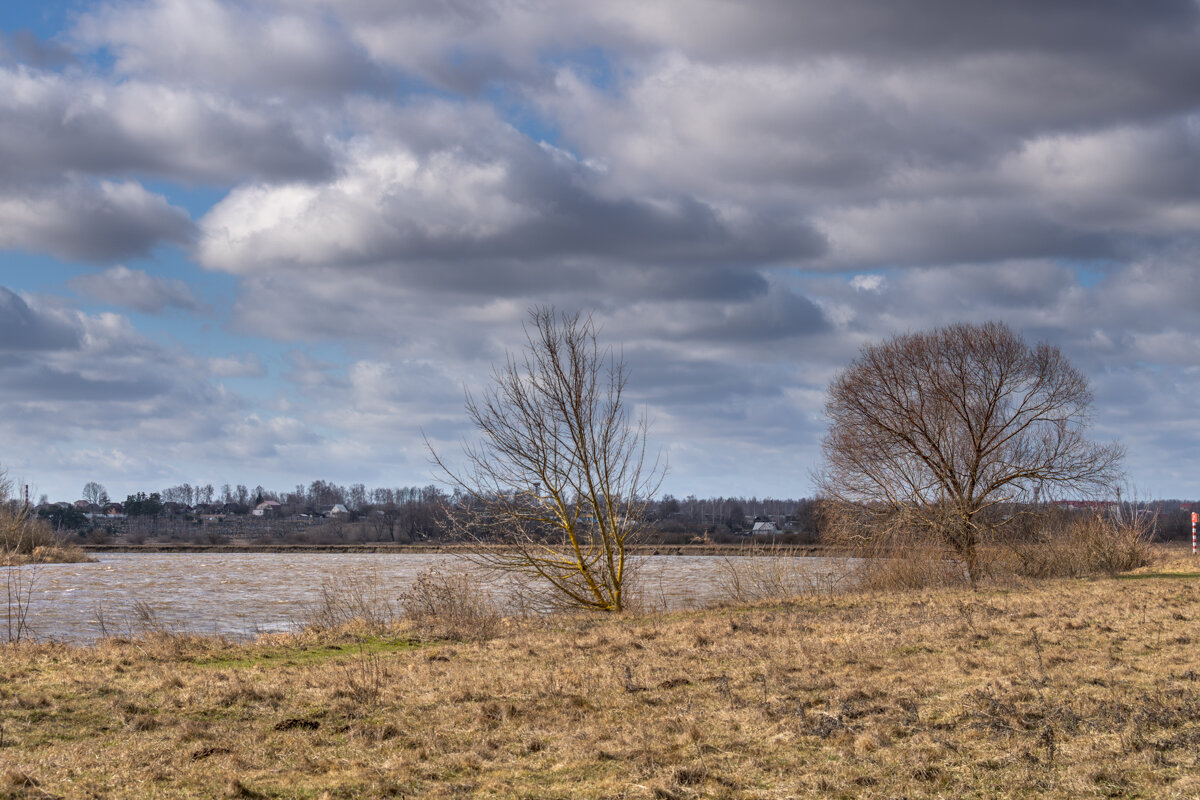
<point x="26" y="329"/>
<point x="134" y="288"/>
<point x="486" y="192"/>
<point x="923" y="30"/>
<point x="232" y="47"/>
<point x="954" y="230"/>
<point x="775" y="317"/>
<point x="89" y="221"/>
<point x="100" y="401"/>
<point x="55" y="122"/>
<point x="43" y="383"/>
<point x="28" y="48"/>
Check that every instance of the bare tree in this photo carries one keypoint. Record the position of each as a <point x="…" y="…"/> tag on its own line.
<point x="952" y="432"/>
<point x="559" y="475"/>
<point x="95" y="493"/>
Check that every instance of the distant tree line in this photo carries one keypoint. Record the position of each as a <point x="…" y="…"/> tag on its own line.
<point x="418" y="513"/>
<point x="388" y="514"/>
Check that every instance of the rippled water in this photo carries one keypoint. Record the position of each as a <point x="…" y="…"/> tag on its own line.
<point x="243" y="594"/>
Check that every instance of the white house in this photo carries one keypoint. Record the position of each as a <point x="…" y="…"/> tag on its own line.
<point x="266" y="508"/>
<point x="335" y="510"/>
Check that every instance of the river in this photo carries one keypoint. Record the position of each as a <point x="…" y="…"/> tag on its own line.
<point x="244" y="594"/>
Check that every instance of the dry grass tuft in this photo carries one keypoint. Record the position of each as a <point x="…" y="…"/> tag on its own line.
<point x="913" y="565"/>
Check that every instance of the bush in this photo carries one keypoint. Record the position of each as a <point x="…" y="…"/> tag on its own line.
<point x="452" y="607"/>
<point x="895" y="554"/>
<point x="1047" y="544"/>
<point x="1072" y="545"/>
<point x="25" y="539"/>
<point x="352" y="601"/>
<point x="22" y="533"/>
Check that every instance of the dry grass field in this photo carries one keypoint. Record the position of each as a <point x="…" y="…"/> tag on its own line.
<point x="1059" y="688"/>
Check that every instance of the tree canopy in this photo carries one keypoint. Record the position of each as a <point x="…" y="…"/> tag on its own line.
<point x="955" y="430"/>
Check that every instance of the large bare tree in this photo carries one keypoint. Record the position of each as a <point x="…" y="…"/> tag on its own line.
<point x="955" y="431"/>
<point x="558" y="482"/>
<point x="94" y="493"/>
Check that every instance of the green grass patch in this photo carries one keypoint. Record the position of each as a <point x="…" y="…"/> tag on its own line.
<point x="306" y="655"/>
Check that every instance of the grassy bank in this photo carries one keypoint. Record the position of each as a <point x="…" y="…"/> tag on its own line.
<point x="45" y="554"/>
<point x="1075" y="688"/>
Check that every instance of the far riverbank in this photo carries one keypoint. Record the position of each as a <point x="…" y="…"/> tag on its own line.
<point x="738" y="549"/>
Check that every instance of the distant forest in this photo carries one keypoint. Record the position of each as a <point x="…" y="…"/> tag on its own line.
<point x="328" y="513"/>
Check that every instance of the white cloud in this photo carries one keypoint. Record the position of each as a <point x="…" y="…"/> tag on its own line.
<point x="245" y="366"/>
<point x="136" y="289"/>
<point x="868" y="283"/>
<point x="387" y="201"/>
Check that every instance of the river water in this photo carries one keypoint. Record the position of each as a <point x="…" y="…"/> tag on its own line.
<point x="243" y="594"/>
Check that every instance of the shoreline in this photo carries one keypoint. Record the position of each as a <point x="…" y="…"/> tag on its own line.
<point x="748" y="549"/>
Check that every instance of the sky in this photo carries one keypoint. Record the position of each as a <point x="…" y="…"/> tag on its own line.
<point x="275" y="241"/>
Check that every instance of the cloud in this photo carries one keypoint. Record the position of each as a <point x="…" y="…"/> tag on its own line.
<point x="26" y="329"/>
<point x="56" y="122"/>
<point x="28" y="48"/>
<point x="134" y="288"/>
<point x="82" y="220"/>
<point x="741" y="199"/>
<point x="73" y="384"/>
<point x="246" y="366"/>
<point x="482" y="192"/>
<point x="947" y="230"/>
<point x="923" y="31"/>
<point x="868" y="283"/>
<point x="42" y="383"/>
<point x="232" y="47"/>
<point x="77" y="372"/>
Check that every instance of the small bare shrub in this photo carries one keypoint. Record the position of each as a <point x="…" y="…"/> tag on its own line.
<point x="769" y="572"/>
<point x="363" y="679"/>
<point x="352" y="600"/>
<point x="450" y="606"/>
